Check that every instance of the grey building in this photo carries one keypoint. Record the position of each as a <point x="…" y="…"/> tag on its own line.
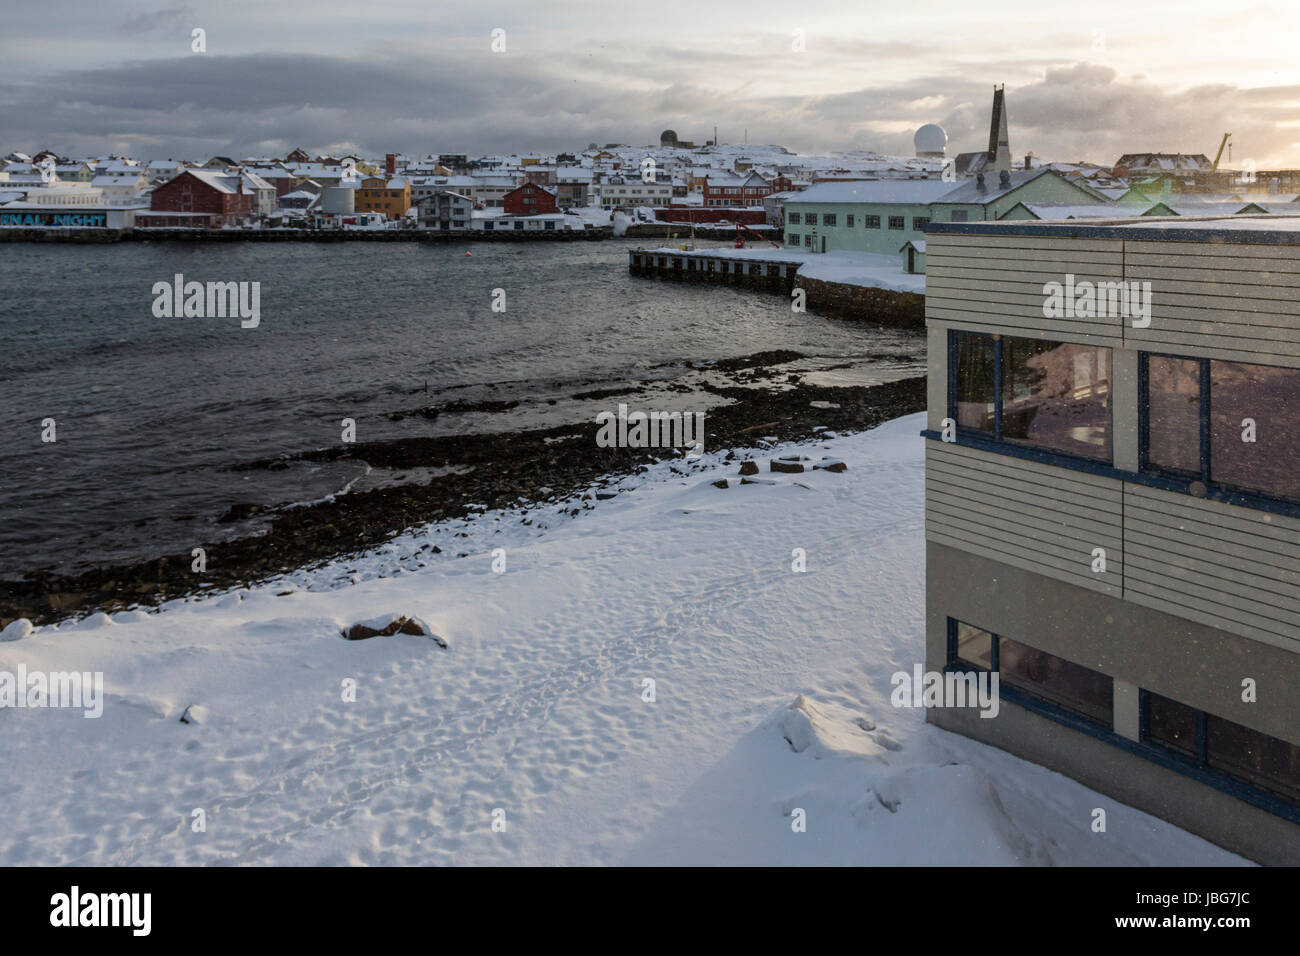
<point x="446" y="210"/>
<point x="1113" y="508"/>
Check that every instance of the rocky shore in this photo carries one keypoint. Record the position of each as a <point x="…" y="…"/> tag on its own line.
<point x="497" y="470"/>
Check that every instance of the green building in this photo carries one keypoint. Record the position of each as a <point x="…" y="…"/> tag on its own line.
<point x="880" y="216"/>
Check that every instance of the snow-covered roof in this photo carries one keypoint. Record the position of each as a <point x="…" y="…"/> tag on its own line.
<point x="1061" y="210"/>
<point x="970" y="191"/>
<point x="903" y="191"/>
<point x="1280" y="224"/>
<point x="1190" y="207"/>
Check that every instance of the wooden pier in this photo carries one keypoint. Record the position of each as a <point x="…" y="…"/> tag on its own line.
<point x="780" y="276"/>
<point x="703" y="265"/>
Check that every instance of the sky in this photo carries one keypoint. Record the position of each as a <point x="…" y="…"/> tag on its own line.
<point x="1085" y="81"/>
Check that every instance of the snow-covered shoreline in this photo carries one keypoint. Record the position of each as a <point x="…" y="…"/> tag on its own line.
<point x="771" y="691"/>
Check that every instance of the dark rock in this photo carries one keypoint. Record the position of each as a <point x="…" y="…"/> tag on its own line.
<point x="398" y="625"/>
<point x="238" y="512"/>
<point x="749" y="468"/>
<point x="791" y="464"/>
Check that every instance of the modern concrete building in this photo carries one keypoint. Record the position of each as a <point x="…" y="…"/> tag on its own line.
<point x="1113" y="508"/>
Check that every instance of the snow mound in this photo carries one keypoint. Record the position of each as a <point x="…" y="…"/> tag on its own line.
<point x="17" y="630"/>
<point x="825" y="728"/>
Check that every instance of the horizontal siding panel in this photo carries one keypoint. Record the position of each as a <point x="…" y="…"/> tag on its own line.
<point x="1065" y="552"/>
<point x="1078" y="521"/>
<point x="1024" y="297"/>
<point x="1210" y="346"/>
<point x="1005" y="467"/>
<point x="1194" y="571"/>
<point x="942" y="242"/>
<point x="1206" y="516"/>
<point x="1031" y="519"/>
<point x="1278" y="256"/>
<point x="1238" y="565"/>
<point x="1024" y="513"/>
<point x="1221" y="603"/>
<point x="1087" y="499"/>
<point x="1027" y="326"/>
<point x="1258" y="327"/>
<point x="1173" y="547"/>
<point x="1016" y="271"/>
<point x="1021" y="316"/>
<point x="1046" y="565"/>
<point x="997" y="260"/>
<point x="1195" y="271"/>
<point x="1179" y="608"/>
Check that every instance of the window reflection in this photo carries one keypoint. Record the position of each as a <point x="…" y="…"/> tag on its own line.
<point x="1174" y="414"/>
<point x="1055" y="679"/>
<point x="974" y="357"/>
<point x="1270" y="397"/>
<point x="1057" y="396"/>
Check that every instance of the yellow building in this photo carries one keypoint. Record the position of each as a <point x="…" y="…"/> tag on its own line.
<point x="391" y="197"/>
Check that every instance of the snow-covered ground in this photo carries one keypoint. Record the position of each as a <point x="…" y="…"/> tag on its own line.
<point x="867" y="269"/>
<point x="771" y="695"/>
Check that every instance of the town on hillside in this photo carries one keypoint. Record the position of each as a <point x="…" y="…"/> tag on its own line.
<point x="854" y="201"/>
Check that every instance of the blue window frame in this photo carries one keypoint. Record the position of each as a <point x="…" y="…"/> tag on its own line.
<point x="1032" y="678"/>
<point x="1182" y="447"/>
<point x="1048" y="397"/>
<point x="1194" y="757"/>
<point x="1246" y="763"/>
<point x="1148" y="473"/>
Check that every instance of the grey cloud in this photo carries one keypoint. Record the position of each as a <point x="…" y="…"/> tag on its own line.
<point x="476" y="101"/>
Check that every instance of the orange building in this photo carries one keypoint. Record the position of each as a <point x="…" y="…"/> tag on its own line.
<point x="392" y="197"/>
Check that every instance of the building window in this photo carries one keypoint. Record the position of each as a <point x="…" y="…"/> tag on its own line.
<point x="920" y="222"/>
<point x="1034" y="676"/>
<point x="794" y="219"/>
<point x="959" y="215"/>
<point x="974" y="380"/>
<point x="1269" y="397"/>
<point x="973" y="647"/>
<point x="519" y="224"/>
<point x="1171" y="724"/>
<point x="848" y="220"/>
<point x="807" y="241"/>
<point x="550" y="224"/>
<point x="792" y="239"/>
<point x="871" y="222"/>
<point x="1049" y="395"/>
<point x="896" y="222"/>
<point x="1173" y="402"/>
<point x="1222" y="746"/>
<point x="1232" y="425"/>
<point x="1057" y="681"/>
<point x="828" y="219"/>
<point x="1056" y="396"/>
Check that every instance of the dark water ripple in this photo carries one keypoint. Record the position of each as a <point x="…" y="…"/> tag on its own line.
<point x="152" y="412"/>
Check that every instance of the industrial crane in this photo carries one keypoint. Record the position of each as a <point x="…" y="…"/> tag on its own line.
<point x="1219" y="155"/>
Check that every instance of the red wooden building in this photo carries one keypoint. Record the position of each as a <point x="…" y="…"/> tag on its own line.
<point x="199" y="198"/>
<point x="749" y="191"/>
<point x="529" y="199"/>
